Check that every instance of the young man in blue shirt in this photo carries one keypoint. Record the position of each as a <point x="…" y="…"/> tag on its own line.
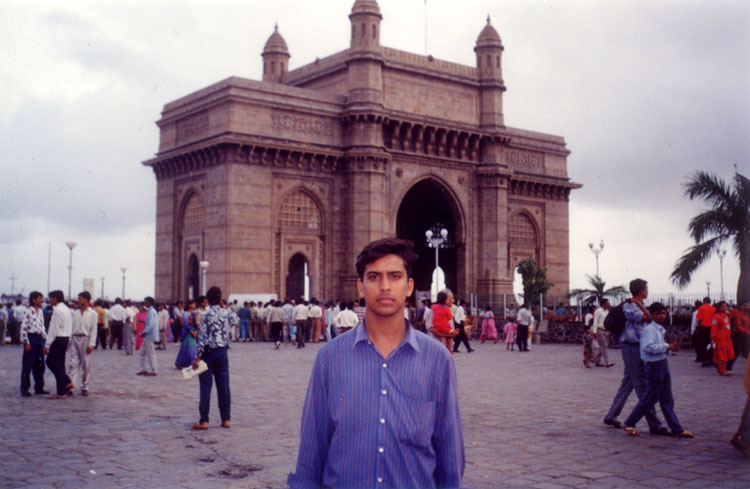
<point x="654" y="351"/>
<point x="382" y="407"/>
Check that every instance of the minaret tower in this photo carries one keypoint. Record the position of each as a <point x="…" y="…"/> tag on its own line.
<point x="275" y="58"/>
<point x="489" y="49"/>
<point x="365" y="62"/>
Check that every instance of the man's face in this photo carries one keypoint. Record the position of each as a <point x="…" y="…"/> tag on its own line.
<point x="450" y="300"/>
<point x="644" y="292"/>
<point x="385" y="286"/>
<point x="53" y="302"/>
<point x="82" y="302"/>
<point x="605" y="305"/>
<point x="37" y="301"/>
<point x="660" y="316"/>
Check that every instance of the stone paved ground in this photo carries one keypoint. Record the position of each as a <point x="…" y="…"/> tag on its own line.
<point x="530" y="420"/>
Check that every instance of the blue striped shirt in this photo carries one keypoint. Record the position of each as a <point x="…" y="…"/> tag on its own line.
<point x="370" y="422"/>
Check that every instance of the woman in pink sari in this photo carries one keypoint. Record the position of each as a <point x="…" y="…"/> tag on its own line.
<point x="140" y="324"/>
<point x="489" y="331"/>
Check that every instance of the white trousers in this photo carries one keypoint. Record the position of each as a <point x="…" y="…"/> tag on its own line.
<point x="79" y="362"/>
<point x="148" y="356"/>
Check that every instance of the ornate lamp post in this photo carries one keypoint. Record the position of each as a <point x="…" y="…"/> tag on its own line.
<point x="204" y="266"/>
<point x="596" y="252"/>
<point x="124" y="269"/>
<point x="70" y="245"/>
<point x="102" y="288"/>
<point x="708" y="289"/>
<point x="436" y="240"/>
<point x="722" y="254"/>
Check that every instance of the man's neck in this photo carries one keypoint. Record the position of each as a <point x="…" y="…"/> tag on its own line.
<point x="386" y="333"/>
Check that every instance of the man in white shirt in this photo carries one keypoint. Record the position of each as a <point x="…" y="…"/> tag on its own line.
<point x="600" y="334"/>
<point x="33" y="336"/>
<point x="346" y="319"/>
<point x="459" y="318"/>
<point x="316" y="313"/>
<point x="117" y="318"/>
<point x="525" y="320"/>
<point x="163" y="318"/>
<point x="19" y="311"/>
<point x="301" y="315"/>
<point x="129" y="327"/>
<point x="58" y="336"/>
<point x="82" y="342"/>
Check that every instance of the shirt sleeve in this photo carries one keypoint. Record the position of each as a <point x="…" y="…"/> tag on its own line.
<point x="448" y="439"/>
<point x="54" y="324"/>
<point x="202" y="339"/>
<point x="316" y="430"/>
<point x="25" y="327"/>
<point x="650" y="342"/>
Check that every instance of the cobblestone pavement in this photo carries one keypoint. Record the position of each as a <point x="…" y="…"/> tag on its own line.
<point x="530" y="420"/>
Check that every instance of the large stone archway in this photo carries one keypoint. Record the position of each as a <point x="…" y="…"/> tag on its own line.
<point x="426" y="204"/>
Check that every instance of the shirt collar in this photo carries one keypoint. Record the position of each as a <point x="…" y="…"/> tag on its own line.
<point x="410" y="338"/>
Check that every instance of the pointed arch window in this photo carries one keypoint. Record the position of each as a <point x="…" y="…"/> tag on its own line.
<point x="299" y="210"/>
<point x="522" y="230"/>
<point x="192" y="215"/>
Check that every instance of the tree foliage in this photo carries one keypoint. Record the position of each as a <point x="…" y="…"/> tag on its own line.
<point x="597" y="292"/>
<point x="534" y="280"/>
<point x="726" y="220"/>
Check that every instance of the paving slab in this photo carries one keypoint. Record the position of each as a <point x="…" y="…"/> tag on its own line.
<point x="529" y="419"/>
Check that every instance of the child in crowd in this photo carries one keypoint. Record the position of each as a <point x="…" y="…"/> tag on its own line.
<point x="510" y="335"/>
<point x="721" y="338"/>
<point x="588" y="346"/>
<point x="654" y="352"/>
<point x="489" y="331"/>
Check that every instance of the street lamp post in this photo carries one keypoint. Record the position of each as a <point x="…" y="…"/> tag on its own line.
<point x="70" y="245"/>
<point x="204" y="266"/>
<point x="124" y="269"/>
<point x="596" y="252"/>
<point x="436" y="240"/>
<point x="708" y="289"/>
<point x="722" y="254"/>
<point x="102" y="288"/>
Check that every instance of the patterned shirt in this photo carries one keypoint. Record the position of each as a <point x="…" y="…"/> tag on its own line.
<point x="33" y="322"/>
<point x="370" y="422"/>
<point x="213" y="331"/>
<point x="634" y="324"/>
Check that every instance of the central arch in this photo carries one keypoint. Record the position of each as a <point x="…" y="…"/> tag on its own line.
<point x="427" y="203"/>
<point x="298" y="277"/>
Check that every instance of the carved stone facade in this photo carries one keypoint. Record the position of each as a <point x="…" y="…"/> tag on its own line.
<point x="288" y="178"/>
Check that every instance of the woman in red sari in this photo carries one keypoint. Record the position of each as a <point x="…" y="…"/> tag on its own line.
<point x="140" y="324"/>
<point x="721" y="338"/>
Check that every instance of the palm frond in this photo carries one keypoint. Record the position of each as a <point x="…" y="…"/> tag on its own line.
<point x="710" y="188"/>
<point x="714" y="221"/>
<point x="693" y="258"/>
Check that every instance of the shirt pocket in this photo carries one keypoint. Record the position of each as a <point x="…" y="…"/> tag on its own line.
<point x="417" y="421"/>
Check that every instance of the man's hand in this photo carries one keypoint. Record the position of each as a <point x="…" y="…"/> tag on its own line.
<point x="27" y="347"/>
<point x="45" y="350"/>
<point x="89" y="350"/>
<point x="196" y="362"/>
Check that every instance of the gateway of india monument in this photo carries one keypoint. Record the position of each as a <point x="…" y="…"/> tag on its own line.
<point x="281" y="182"/>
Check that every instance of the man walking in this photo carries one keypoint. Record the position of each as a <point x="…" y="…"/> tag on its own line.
<point x="381" y="408"/>
<point x="705" y="317"/>
<point x="301" y="315"/>
<point x="150" y="335"/>
<point x="213" y="340"/>
<point x="33" y="336"/>
<point x="82" y="342"/>
<point x="58" y="337"/>
<point x="634" y="375"/>
<point x="316" y="315"/>
<point x="601" y="335"/>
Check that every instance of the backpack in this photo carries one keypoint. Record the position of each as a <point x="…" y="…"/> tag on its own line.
<point x="615" y="320"/>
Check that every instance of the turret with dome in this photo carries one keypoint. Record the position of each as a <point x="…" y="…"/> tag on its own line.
<point x="275" y="57"/>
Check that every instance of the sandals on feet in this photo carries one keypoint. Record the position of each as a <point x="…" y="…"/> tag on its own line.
<point x="684" y="434"/>
<point x="630" y="431"/>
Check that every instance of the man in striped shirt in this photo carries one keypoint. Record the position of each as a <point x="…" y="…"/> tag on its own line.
<point x="33" y="336"/>
<point x="382" y="406"/>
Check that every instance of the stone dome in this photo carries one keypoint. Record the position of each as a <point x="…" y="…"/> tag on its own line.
<point x="276" y="44"/>
<point x="366" y="7"/>
<point x="489" y="36"/>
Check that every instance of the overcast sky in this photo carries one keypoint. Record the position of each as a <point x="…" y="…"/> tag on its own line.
<point x="644" y="92"/>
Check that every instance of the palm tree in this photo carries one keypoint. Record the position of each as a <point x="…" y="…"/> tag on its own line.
<point x="597" y="292"/>
<point x="727" y="219"/>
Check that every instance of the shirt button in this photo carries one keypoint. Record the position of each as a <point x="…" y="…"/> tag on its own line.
<point x="384" y="392"/>
<point x="385" y="365"/>
<point x="380" y="450"/>
<point x="380" y="480"/>
<point x="382" y="420"/>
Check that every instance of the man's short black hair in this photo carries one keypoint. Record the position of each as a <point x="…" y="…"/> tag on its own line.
<point x="605" y="301"/>
<point x="34" y="295"/>
<point x="85" y="294"/>
<point x="656" y="307"/>
<point x="376" y="250"/>
<point x="57" y="295"/>
<point x="637" y="285"/>
<point x="213" y="295"/>
<point x="149" y="300"/>
<point x="707" y="300"/>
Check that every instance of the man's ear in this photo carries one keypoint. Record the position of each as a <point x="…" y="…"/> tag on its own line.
<point x="360" y="288"/>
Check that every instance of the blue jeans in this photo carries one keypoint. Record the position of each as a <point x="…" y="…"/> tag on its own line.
<point x="218" y="368"/>
<point x="244" y="326"/>
<point x="659" y="389"/>
<point x="634" y="378"/>
<point x="33" y="361"/>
